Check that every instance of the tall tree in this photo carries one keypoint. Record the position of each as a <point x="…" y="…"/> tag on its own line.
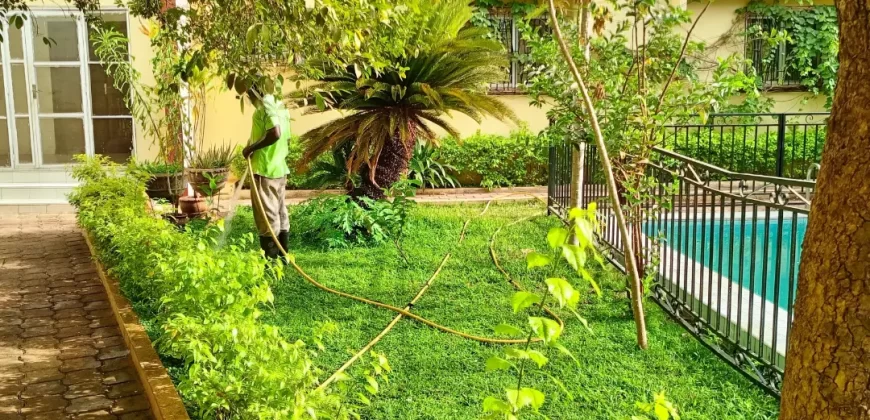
<point x="827" y="372"/>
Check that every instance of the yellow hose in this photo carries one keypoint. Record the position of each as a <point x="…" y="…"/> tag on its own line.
<point x="292" y="261"/>
<point x="398" y="317"/>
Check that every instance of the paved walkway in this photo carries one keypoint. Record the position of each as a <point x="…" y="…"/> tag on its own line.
<point x="61" y="352"/>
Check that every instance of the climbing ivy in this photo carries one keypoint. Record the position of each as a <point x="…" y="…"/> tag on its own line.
<point x="811" y="37"/>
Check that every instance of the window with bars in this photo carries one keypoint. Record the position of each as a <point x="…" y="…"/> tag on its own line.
<point x="769" y="61"/>
<point x="507" y="31"/>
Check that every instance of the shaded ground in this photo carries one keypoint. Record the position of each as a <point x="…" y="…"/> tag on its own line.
<point x="439" y="376"/>
<point x="61" y="352"/>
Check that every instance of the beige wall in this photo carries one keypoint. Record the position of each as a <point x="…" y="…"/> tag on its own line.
<point x="225" y="122"/>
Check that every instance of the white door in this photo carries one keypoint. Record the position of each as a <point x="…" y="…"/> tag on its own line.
<point x="57" y="100"/>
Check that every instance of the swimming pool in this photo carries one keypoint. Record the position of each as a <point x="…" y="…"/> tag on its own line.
<point x="761" y="254"/>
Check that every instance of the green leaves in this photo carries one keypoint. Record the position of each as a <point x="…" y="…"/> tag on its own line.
<point x="525" y="397"/>
<point x="523" y="300"/>
<point x="497" y="363"/>
<point x="534" y="355"/>
<point x="660" y="408"/>
<point x="509" y="330"/>
<point x="563" y="292"/>
<point x="556" y="237"/>
<point x="546" y="329"/>
<point x="574" y="255"/>
<point x="536" y="259"/>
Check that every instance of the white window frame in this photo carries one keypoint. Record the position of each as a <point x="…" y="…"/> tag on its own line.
<point x="30" y="66"/>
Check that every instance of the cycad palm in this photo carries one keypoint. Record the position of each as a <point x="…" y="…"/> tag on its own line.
<point x="389" y="113"/>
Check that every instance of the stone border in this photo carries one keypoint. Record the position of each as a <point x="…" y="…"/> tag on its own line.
<point x="165" y="402"/>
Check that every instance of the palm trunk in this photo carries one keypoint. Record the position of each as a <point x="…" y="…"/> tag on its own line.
<point x="392" y="164"/>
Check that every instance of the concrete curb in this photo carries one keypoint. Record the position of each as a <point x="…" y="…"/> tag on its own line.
<point x="165" y="402"/>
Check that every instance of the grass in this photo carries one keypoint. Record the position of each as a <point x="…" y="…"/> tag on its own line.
<point x="441" y="376"/>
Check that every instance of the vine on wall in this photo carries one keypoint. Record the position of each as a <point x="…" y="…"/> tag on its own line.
<point x="811" y="37"/>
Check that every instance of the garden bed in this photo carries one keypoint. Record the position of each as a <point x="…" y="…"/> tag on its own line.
<point x="163" y="397"/>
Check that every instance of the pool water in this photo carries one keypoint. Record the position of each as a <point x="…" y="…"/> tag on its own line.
<point x="726" y="247"/>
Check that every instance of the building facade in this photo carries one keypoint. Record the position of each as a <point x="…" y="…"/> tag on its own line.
<point x="57" y="100"/>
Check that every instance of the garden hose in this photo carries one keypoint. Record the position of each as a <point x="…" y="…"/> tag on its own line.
<point x="292" y="261"/>
<point x="398" y="317"/>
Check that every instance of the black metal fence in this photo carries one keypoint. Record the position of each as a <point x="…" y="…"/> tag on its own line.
<point x="783" y="145"/>
<point x="559" y="178"/>
<point x="723" y="247"/>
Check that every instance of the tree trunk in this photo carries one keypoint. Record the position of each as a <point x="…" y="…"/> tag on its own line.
<point x="828" y="366"/>
<point x="391" y="165"/>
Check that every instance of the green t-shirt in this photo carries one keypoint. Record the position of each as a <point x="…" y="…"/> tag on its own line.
<point x="271" y="161"/>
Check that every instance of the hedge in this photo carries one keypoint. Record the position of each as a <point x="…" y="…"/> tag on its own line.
<point x="747" y="152"/>
<point x="201" y="304"/>
<point x="485" y="160"/>
<point x="498" y="161"/>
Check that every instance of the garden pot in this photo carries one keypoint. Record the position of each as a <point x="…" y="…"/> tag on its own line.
<point x="178" y="219"/>
<point x="165" y="186"/>
<point x="468" y="178"/>
<point x="199" y="180"/>
<point x="192" y="206"/>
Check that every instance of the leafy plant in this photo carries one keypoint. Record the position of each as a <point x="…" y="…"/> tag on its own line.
<point x="391" y="111"/>
<point x="215" y="157"/>
<point x="202" y="303"/>
<point x="340" y="221"/>
<point x="426" y="167"/>
<point x="330" y="172"/>
<point x="351" y="387"/>
<point x="155" y="167"/>
<point x="548" y="286"/>
<point x="516" y="160"/>
<point x="659" y="409"/>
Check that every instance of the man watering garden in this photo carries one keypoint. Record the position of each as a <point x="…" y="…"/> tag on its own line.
<point x="267" y="149"/>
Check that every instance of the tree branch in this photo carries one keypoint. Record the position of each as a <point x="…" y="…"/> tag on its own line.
<point x="682" y="55"/>
<point x="631" y="269"/>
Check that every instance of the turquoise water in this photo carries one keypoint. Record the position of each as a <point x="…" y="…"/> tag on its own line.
<point x="717" y="245"/>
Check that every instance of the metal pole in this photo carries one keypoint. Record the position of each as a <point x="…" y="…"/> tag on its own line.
<point x="780" y="146"/>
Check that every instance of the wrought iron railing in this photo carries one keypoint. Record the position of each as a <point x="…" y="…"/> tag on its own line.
<point x="559" y="178"/>
<point x="784" y="145"/>
<point x="722" y="246"/>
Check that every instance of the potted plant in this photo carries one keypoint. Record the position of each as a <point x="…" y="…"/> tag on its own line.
<point x="209" y="169"/>
<point x="165" y="179"/>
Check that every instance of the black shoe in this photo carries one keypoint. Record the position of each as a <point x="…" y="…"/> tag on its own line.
<point x="284" y="240"/>
<point x="267" y="244"/>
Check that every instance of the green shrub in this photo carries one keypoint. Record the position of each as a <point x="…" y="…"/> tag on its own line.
<point x="426" y="168"/>
<point x="740" y="151"/>
<point x="204" y="303"/>
<point x="517" y="160"/>
<point x="486" y="160"/>
<point x="340" y="221"/>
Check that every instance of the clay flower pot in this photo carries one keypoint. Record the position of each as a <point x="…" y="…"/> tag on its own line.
<point x="200" y="180"/>
<point x="165" y="186"/>
<point x="192" y="206"/>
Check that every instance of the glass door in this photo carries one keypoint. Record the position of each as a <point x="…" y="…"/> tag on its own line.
<point x="51" y="108"/>
<point x="57" y="96"/>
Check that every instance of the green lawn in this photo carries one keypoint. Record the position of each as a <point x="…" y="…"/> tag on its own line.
<point x="440" y="376"/>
